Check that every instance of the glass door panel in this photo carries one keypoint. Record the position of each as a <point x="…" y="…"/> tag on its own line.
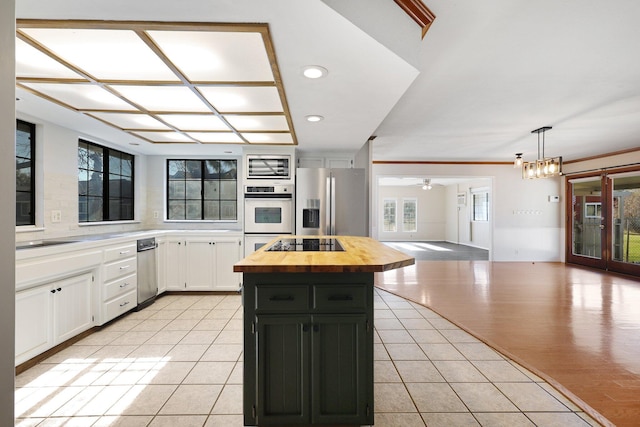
<point x="587" y="218"/>
<point x="625" y="222"/>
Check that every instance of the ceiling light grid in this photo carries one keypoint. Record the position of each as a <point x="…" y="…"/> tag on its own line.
<point x="206" y="83"/>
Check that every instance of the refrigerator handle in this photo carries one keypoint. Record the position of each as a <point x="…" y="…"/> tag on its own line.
<point x="328" y="205"/>
<point x="333" y="205"/>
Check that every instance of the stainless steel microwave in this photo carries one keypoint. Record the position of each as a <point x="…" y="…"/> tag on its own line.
<point x="268" y="166"/>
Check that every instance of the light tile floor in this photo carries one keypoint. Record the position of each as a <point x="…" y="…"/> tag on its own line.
<point x="178" y="362"/>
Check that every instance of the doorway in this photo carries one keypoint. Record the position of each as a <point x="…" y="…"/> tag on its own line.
<point x="604" y="221"/>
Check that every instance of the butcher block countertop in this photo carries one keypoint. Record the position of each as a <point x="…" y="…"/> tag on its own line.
<point x="360" y="255"/>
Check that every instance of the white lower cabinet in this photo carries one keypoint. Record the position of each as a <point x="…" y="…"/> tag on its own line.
<point x="34" y="331"/>
<point x="50" y="314"/>
<point x="161" y="261"/>
<point x="228" y="252"/>
<point x="202" y="264"/>
<point x="119" y="291"/>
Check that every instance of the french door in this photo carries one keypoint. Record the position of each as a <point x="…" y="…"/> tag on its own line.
<point x="604" y="221"/>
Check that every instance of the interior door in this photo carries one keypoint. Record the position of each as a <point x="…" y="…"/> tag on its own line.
<point x="605" y="221"/>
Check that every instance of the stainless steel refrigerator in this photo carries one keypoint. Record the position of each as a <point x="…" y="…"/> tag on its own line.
<point x="331" y="202"/>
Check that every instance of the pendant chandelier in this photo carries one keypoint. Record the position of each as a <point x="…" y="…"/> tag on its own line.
<point x="542" y="167"/>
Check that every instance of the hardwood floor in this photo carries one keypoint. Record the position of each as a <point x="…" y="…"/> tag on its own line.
<point x="577" y="328"/>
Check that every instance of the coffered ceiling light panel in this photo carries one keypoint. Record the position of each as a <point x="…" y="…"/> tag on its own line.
<point x="243" y="99"/>
<point x="216" y="56"/>
<point x="130" y="121"/>
<point x="159" y="80"/>
<point x="194" y="122"/>
<point x="30" y="62"/>
<point x="264" y="122"/>
<point x="79" y="96"/>
<point x="164" y="137"/>
<point x="268" y="138"/>
<point x="216" y="137"/>
<point x="104" y="54"/>
<point x="163" y="98"/>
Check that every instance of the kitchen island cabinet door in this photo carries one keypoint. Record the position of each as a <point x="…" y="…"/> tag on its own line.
<point x="34" y="333"/>
<point x="283" y="371"/>
<point x="72" y="307"/>
<point x="341" y="369"/>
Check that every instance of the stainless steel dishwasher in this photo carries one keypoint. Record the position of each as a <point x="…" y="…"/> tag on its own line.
<point x="147" y="273"/>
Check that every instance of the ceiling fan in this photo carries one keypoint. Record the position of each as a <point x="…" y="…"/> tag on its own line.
<point x="426" y="184"/>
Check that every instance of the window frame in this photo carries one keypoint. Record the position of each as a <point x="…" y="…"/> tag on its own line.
<point x="395" y="215"/>
<point x="405" y="201"/>
<point x="475" y="216"/>
<point x="32" y="173"/>
<point x="202" y="199"/>
<point x="106" y="172"/>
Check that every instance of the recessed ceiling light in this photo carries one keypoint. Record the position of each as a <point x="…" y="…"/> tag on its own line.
<point x="314" y="118"/>
<point x="314" y="71"/>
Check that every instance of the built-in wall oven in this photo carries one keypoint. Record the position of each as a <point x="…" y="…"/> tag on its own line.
<point x="268" y="213"/>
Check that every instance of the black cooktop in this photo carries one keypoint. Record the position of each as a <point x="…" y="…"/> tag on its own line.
<point x="304" y="245"/>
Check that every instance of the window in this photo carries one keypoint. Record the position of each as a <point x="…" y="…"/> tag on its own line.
<point x="25" y="173"/>
<point x="202" y="190"/>
<point x="409" y="214"/>
<point x="389" y="215"/>
<point x="593" y="210"/>
<point x="480" y="206"/>
<point x="105" y="183"/>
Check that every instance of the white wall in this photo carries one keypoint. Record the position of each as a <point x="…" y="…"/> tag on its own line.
<point x="525" y="225"/>
<point x="57" y="184"/>
<point x="440" y="218"/>
<point x="460" y="227"/>
<point x="431" y="218"/>
<point x="7" y="209"/>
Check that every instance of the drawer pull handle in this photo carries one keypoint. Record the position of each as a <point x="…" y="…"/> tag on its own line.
<point x="340" y="298"/>
<point x="124" y="284"/>
<point x="281" y="298"/>
<point x="316" y="328"/>
<point x="124" y="303"/>
<point x="124" y="267"/>
<point x="124" y="252"/>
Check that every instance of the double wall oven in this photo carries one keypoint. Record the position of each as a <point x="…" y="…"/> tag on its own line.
<point x="268" y="212"/>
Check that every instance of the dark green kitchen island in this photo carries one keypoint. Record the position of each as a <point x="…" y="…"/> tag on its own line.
<point x="308" y="331"/>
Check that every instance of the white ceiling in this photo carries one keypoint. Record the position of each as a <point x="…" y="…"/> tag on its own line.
<point x="486" y="74"/>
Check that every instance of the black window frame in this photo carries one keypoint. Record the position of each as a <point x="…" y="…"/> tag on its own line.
<point x="126" y="212"/>
<point x="203" y="178"/>
<point x="30" y="217"/>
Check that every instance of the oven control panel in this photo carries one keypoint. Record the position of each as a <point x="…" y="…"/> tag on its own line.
<point x="268" y="189"/>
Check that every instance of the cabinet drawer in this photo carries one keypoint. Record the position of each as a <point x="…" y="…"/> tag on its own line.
<point x="282" y="298"/>
<point x="338" y="297"/>
<point x="120" y="286"/>
<point x="121" y="305"/>
<point x="120" y="268"/>
<point x="120" y="252"/>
